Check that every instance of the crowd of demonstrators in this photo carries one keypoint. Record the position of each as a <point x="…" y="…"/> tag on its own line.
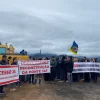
<point x="3" y="62"/>
<point x="62" y="67"/>
<point x="61" y="70"/>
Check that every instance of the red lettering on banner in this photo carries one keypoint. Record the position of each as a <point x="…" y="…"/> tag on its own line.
<point x="44" y="71"/>
<point x="75" y="65"/>
<point x="24" y="72"/>
<point x="35" y="71"/>
<point x="0" y="72"/>
<point x="36" y="62"/>
<point x="21" y="68"/>
<point x="13" y="71"/>
<point x="34" y="66"/>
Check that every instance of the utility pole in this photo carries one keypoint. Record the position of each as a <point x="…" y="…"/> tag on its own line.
<point x="40" y="51"/>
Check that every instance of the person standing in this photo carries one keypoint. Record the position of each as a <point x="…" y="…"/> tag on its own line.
<point x="38" y="77"/>
<point x="53" y="64"/>
<point x="58" y="69"/>
<point x="13" y="85"/>
<point x="87" y="74"/>
<point x="94" y="75"/>
<point x="69" y="68"/>
<point x="81" y="75"/>
<point x="31" y="77"/>
<point x="75" y="75"/>
<point x="3" y="62"/>
<point x="47" y="75"/>
<point x="62" y="69"/>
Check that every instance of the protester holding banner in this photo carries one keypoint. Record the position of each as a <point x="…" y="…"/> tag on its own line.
<point x="13" y="85"/>
<point x="31" y="76"/>
<point x="20" y="77"/>
<point x="53" y="64"/>
<point x="38" y="77"/>
<point x="81" y="75"/>
<point x="87" y="74"/>
<point x="47" y="75"/>
<point x="94" y="75"/>
<point x="35" y="68"/>
<point x="3" y="62"/>
<point x="75" y="75"/>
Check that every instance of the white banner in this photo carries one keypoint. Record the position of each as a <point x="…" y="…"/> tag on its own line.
<point x="8" y="74"/>
<point x="34" y="67"/>
<point x="82" y="67"/>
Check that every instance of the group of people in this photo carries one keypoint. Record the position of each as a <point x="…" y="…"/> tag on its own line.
<point x="6" y="61"/>
<point x="61" y="70"/>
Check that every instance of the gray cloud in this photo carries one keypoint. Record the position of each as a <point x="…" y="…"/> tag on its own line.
<point x="51" y="25"/>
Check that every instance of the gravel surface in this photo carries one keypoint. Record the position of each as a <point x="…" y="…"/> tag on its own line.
<point x="56" y="91"/>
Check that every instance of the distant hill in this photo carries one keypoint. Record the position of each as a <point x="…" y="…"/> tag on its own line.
<point x="38" y="55"/>
<point x="42" y="55"/>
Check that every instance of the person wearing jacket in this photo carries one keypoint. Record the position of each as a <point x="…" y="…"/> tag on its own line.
<point x="47" y="75"/>
<point x="81" y="75"/>
<point x="62" y="69"/>
<point x="75" y="75"/>
<point x="87" y="74"/>
<point x="69" y="68"/>
<point x="58" y="69"/>
<point x="3" y="62"/>
<point x="38" y="77"/>
<point x="31" y="77"/>
<point x="94" y="75"/>
<point x="13" y="85"/>
<point x="53" y="64"/>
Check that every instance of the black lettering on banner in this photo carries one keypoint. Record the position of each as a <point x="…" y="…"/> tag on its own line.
<point x="80" y="69"/>
<point x="80" y="65"/>
<point x="92" y="65"/>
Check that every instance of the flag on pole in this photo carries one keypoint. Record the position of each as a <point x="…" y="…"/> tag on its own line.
<point x="74" y="48"/>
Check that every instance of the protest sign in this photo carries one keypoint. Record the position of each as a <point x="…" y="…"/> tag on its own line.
<point x="8" y="74"/>
<point x="86" y="67"/>
<point x="34" y="67"/>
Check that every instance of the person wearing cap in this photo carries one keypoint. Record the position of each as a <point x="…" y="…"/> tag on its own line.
<point x="3" y="62"/>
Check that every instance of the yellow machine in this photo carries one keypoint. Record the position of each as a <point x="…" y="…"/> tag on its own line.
<point x="9" y="52"/>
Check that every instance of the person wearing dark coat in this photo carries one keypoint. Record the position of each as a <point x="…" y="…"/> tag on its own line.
<point x="62" y="69"/>
<point x="47" y="75"/>
<point x="69" y="68"/>
<point x="53" y="64"/>
<point x="75" y="75"/>
<point x="12" y="85"/>
<point x="81" y="75"/>
<point x="58" y="69"/>
<point x="87" y="75"/>
<point x="3" y="62"/>
<point x="94" y="75"/>
<point x="31" y="77"/>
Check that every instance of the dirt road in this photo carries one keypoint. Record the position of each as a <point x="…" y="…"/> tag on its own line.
<point x="57" y="91"/>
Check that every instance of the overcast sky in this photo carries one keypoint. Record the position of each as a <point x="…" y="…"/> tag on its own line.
<point x="51" y="25"/>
